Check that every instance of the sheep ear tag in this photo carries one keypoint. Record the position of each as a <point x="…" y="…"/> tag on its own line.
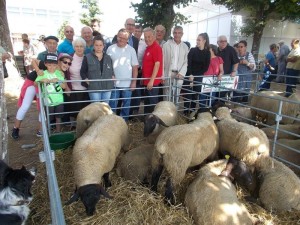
<point x="227" y="156"/>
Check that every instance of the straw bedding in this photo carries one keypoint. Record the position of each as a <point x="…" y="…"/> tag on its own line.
<point x="131" y="203"/>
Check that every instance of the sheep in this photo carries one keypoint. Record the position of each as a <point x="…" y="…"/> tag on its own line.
<point x="270" y="104"/>
<point x="164" y="115"/>
<point x="241" y="140"/>
<point x="89" y="114"/>
<point x="242" y="114"/>
<point x="211" y="198"/>
<point x="292" y="128"/>
<point x="94" y="155"/>
<point x="279" y="187"/>
<point x="135" y="165"/>
<point x="182" y="146"/>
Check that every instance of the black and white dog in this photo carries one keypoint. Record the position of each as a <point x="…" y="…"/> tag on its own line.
<point x="15" y="195"/>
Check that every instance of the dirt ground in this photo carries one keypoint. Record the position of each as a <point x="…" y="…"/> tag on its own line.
<point x="17" y="155"/>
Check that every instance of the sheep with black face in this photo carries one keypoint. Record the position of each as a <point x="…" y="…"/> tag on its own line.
<point x="94" y="156"/>
<point x="164" y="115"/>
<point x="182" y="146"/>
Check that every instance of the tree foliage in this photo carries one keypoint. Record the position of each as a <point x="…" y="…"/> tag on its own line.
<point x="60" y="31"/>
<point x="92" y="11"/>
<point x="259" y="12"/>
<point x="151" y="13"/>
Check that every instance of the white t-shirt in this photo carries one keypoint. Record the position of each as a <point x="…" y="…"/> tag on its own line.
<point x="123" y="60"/>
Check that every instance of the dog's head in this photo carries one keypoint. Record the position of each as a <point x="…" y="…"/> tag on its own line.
<point x="18" y="180"/>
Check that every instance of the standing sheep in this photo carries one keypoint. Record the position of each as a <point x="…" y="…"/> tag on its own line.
<point x="179" y="147"/>
<point x="280" y="187"/>
<point x="242" y="114"/>
<point x="135" y="165"/>
<point x="241" y="140"/>
<point x="164" y="115"/>
<point x="89" y="114"/>
<point x="94" y="156"/>
<point x="272" y="104"/>
<point x="211" y="198"/>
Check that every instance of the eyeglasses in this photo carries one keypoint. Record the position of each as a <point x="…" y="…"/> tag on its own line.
<point x="65" y="62"/>
<point x="130" y="24"/>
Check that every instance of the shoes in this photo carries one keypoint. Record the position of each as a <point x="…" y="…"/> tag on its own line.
<point x="15" y="133"/>
<point x="39" y="134"/>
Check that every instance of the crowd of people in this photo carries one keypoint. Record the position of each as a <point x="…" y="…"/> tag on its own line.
<point x="109" y="69"/>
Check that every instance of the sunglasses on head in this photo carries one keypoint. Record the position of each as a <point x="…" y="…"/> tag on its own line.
<point x="65" y="62"/>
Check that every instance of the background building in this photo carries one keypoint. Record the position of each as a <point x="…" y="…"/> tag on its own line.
<point x="217" y="20"/>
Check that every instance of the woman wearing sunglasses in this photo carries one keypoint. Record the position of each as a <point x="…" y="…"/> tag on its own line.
<point x="28" y="90"/>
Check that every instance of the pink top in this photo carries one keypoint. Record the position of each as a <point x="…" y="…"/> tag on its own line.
<point x="26" y="84"/>
<point x="74" y="71"/>
<point x="214" y="66"/>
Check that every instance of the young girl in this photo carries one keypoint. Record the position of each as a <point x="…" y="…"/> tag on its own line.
<point x="215" y="66"/>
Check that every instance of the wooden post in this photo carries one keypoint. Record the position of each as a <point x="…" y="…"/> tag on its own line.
<point x="3" y="119"/>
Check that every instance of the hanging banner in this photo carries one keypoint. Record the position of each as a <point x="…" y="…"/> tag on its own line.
<point x="227" y="82"/>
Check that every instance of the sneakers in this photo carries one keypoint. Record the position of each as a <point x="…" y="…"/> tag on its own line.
<point x="39" y="133"/>
<point x="15" y="133"/>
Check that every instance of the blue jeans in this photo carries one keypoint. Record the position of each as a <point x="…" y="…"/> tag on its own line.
<point x="291" y="81"/>
<point x="151" y="99"/>
<point x="126" y="97"/>
<point x="102" y="96"/>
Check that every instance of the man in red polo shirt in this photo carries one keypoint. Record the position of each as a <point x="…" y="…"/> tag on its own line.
<point x="151" y="69"/>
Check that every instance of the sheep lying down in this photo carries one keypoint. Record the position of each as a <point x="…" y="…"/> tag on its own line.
<point x="279" y="187"/>
<point x="135" y="165"/>
<point x="211" y="198"/>
<point x="94" y="155"/>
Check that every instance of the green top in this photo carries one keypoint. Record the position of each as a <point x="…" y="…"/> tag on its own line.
<point x="53" y="94"/>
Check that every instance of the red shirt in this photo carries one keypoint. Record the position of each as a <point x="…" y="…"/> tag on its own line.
<point x="214" y="66"/>
<point x="153" y="54"/>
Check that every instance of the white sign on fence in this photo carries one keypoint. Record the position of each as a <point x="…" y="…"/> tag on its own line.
<point x="227" y="82"/>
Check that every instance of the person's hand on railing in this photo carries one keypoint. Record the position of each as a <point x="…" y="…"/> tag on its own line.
<point x="191" y="79"/>
<point x="233" y="73"/>
<point x="150" y="85"/>
<point x="133" y="85"/>
<point x="179" y="76"/>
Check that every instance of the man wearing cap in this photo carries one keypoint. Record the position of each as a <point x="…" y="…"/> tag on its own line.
<point x="51" y="46"/>
<point x="282" y="56"/>
<point x="66" y="46"/>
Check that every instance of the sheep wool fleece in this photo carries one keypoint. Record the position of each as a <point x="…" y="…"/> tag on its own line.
<point x="95" y="152"/>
